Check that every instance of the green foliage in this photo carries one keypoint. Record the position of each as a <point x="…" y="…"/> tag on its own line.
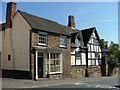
<point x="113" y="51"/>
<point x="103" y="43"/>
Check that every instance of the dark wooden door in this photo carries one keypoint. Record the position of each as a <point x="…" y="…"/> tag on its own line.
<point x="40" y="65"/>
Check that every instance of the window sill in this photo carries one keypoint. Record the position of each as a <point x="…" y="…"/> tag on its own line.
<point x="63" y="46"/>
<point x="41" y="44"/>
<point x="55" y="72"/>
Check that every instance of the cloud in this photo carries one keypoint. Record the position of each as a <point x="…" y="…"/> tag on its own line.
<point x="100" y="21"/>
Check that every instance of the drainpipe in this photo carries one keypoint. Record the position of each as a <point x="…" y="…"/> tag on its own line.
<point x="12" y="50"/>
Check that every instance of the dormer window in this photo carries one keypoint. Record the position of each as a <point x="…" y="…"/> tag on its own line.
<point x="42" y="38"/>
<point x="63" y="41"/>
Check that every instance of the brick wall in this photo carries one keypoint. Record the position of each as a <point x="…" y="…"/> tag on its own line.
<point x="94" y="71"/>
<point x="53" y="40"/>
<point x="77" y="71"/>
<point x="67" y="59"/>
<point x="34" y="38"/>
<point x="34" y="41"/>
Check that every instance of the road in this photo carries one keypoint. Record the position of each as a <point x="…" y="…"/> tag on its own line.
<point x="97" y="82"/>
<point x="107" y="83"/>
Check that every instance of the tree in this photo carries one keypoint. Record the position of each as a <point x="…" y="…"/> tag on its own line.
<point x="113" y="52"/>
<point x="113" y="57"/>
<point x="119" y="56"/>
<point x="104" y="44"/>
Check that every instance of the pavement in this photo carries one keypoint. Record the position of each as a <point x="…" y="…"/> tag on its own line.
<point x="26" y="83"/>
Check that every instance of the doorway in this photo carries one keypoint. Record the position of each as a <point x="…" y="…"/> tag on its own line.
<point x="40" y="64"/>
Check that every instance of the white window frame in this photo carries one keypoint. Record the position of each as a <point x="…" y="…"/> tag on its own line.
<point x="49" y="59"/>
<point x="42" y="33"/>
<point x="65" y="38"/>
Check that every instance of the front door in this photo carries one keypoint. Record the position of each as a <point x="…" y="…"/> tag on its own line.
<point x="40" y="65"/>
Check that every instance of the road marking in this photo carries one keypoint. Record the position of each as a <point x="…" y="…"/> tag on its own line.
<point x="101" y="86"/>
<point x="76" y="83"/>
<point x="111" y="87"/>
<point x="98" y="86"/>
<point x="88" y="85"/>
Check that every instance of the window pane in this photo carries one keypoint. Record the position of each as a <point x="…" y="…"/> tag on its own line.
<point x="9" y="57"/>
<point x="57" y="62"/>
<point x="93" y="62"/>
<point x="63" y="40"/>
<point x="54" y="55"/>
<point x="54" y="62"/>
<point x="57" y="56"/>
<point x="42" y="38"/>
<point x="55" y="68"/>
<point x="51" y="56"/>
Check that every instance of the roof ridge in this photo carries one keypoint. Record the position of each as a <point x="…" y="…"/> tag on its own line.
<point x="89" y="28"/>
<point x="40" y="23"/>
<point x="40" y="17"/>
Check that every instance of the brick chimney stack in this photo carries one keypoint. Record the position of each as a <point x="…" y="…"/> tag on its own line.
<point x="10" y="12"/>
<point x="71" y="22"/>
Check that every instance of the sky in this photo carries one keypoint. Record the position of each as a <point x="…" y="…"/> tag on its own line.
<point x="102" y="15"/>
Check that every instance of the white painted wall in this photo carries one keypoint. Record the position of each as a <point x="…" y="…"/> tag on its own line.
<point x="7" y="49"/>
<point x="21" y="43"/>
<point x="83" y="55"/>
<point x="16" y="43"/>
<point x="72" y="56"/>
<point x="72" y="60"/>
<point x="78" y="62"/>
<point x="93" y="48"/>
<point x="97" y="62"/>
<point x="89" y="62"/>
<point x="83" y="58"/>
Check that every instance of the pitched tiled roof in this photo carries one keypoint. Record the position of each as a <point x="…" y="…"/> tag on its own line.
<point x="74" y="32"/>
<point x="86" y="34"/>
<point x="44" y="24"/>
